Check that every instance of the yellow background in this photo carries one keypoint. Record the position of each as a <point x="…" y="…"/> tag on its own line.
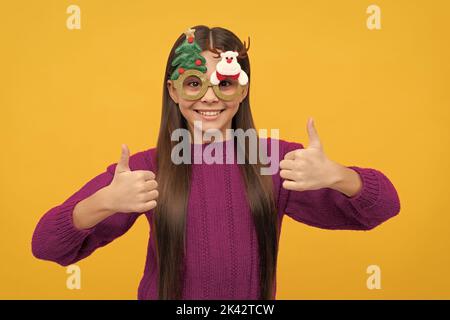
<point x="379" y="98"/>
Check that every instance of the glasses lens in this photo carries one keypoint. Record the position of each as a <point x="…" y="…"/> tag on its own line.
<point x="228" y="87"/>
<point x="192" y="85"/>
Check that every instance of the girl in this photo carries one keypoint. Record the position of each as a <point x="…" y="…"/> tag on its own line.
<point x="214" y="227"/>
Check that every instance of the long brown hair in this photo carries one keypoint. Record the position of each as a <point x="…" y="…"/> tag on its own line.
<point x="174" y="182"/>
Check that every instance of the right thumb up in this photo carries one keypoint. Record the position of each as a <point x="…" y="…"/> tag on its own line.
<point x="123" y="165"/>
<point x="131" y="191"/>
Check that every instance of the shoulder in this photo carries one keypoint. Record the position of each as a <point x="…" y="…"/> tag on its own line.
<point x="141" y="160"/>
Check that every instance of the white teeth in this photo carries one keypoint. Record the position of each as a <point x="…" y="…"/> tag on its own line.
<point x="209" y="113"/>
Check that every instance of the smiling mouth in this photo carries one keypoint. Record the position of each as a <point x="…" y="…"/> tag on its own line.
<point x="209" y="113"/>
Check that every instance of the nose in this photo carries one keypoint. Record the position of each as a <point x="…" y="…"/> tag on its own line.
<point x="210" y="96"/>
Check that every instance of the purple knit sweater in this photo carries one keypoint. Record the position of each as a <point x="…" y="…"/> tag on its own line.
<point x="222" y="254"/>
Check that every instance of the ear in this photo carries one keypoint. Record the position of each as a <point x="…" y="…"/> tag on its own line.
<point x="172" y="91"/>
<point x="222" y="54"/>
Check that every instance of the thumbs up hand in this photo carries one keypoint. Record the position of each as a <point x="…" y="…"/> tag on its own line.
<point x="309" y="169"/>
<point x="131" y="191"/>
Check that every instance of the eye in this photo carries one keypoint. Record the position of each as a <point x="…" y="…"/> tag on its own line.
<point x="225" y="83"/>
<point x="193" y="84"/>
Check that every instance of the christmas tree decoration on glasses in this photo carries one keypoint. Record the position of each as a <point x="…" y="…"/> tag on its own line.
<point x="190" y="80"/>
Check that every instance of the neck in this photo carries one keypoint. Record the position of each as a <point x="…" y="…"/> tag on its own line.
<point x="198" y="136"/>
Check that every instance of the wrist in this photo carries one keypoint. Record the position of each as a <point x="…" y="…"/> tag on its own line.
<point x="105" y="202"/>
<point x="336" y="174"/>
<point x="347" y="181"/>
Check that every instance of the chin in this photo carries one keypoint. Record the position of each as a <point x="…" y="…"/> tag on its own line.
<point x="211" y="126"/>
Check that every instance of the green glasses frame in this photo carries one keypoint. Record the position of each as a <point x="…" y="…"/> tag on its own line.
<point x="206" y="83"/>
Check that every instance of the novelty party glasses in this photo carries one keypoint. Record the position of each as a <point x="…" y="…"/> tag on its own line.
<point x="192" y="84"/>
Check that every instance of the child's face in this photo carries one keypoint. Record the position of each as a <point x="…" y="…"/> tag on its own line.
<point x="209" y="102"/>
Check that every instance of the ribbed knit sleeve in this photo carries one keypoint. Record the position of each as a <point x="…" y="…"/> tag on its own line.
<point x="326" y="208"/>
<point x="55" y="237"/>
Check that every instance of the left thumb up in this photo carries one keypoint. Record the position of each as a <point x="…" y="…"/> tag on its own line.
<point x="313" y="136"/>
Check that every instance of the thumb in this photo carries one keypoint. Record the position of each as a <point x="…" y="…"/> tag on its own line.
<point x="123" y="165"/>
<point x="314" y="140"/>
